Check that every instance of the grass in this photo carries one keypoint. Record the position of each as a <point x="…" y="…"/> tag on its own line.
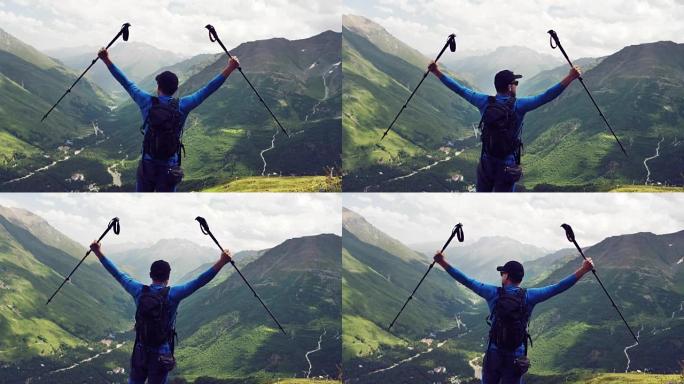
<point x="641" y="378"/>
<point x="281" y="184"/>
<point x="647" y="188"/>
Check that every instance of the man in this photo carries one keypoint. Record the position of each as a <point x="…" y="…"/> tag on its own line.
<point x="498" y="172"/>
<point x="506" y="362"/>
<point x="159" y="168"/>
<point x="153" y="363"/>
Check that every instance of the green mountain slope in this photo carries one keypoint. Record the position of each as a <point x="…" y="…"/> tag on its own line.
<point x="639" y="89"/>
<point x="378" y="274"/>
<point x="33" y="259"/>
<point x="548" y="78"/>
<point x="30" y="83"/>
<point x="642" y="273"/>
<point x="378" y="79"/>
<point x="299" y="280"/>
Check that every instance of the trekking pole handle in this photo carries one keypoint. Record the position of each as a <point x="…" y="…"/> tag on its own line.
<point x="205" y="230"/>
<point x="213" y="37"/>
<point x="553" y="38"/>
<point x="113" y="225"/>
<point x="450" y="43"/>
<point x="457" y="232"/>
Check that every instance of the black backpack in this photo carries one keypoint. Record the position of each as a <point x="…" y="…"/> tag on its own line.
<point x="163" y="135"/>
<point x="499" y="129"/>
<point x="510" y="319"/>
<point x="152" y="318"/>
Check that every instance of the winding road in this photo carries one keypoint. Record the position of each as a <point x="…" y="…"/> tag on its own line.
<point x="89" y="359"/>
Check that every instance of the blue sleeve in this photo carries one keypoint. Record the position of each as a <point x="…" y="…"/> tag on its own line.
<point x="483" y="290"/>
<point x="180" y="292"/>
<point x="190" y="102"/>
<point x="526" y="104"/>
<point x="477" y="99"/>
<point x="140" y="97"/>
<point x="131" y="286"/>
<point x="537" y="295"/>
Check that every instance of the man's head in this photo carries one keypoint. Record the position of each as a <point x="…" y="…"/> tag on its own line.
<point x="511" y="273"/>
<point x="160" y="271"/>
<point x="167" y="83"/>
<point x="506" y="82"/>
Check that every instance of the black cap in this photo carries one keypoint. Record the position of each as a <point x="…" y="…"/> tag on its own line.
<point x="503" y="78"/>
<point x="167" y="82"/>
<point x="160" y="270"/>
<point x="514" y="269"/>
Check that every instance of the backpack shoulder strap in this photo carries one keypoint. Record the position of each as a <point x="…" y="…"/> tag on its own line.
<point x="165" y="292"/>
<point x="491" y="99"/>
<point x="155" y="100"/>
<point x="145" y="288"/>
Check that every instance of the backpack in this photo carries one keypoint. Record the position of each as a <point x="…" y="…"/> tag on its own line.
<point x="152" y="318"/>
<point x="499" y="129"/>
<point x="163" y="135"/>
<point x="510" y="320"/>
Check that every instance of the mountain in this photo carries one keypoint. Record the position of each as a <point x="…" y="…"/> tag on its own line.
<point x="550" y="77"/>
<point x="231" y="135"/>
<point x="242" y="258"/>
<point x="643" y="274"/>
<point x="183" y="255"/>
<point x="137" y="60"/>
<point x="379" y="74"/>
<point x="480" y="70"/>
<point x="183" y="69"/>
<point x="30" y="83"/>
<point x="480" y="259"/>
<point x="299" y="280"/>
<point x="638" y="89"/>
<point x="34" y="258"/>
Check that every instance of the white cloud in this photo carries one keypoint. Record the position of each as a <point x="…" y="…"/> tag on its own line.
<point x="171" y="25"/>
<point x="585" y="27"/>
<point x="239" y="221"/>
<point x="530" y="218"/>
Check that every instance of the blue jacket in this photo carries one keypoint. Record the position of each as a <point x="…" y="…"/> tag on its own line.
<point x="186" y="103"/>
<point x="533" y="296"/>
<point x="522" y="104"/>
<point x="176" y="293"/>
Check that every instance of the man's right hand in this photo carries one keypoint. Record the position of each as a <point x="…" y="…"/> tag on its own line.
<point x="434" y="68"/>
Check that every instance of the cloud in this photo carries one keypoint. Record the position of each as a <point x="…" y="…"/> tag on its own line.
<point x="176" y="26"/>
<point x="239" y="221"/>
<point x="530" y="218"/>
<point x="586" y="28"/>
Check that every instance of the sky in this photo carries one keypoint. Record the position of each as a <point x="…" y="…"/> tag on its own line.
<point x="239" y="221"/>
<point x="586" y="28"/>
<point x="530" y="218"/>
<point x="174" y="25"/>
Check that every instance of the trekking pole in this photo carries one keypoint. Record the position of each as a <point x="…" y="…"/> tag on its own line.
<point x="458" y="232"/>
<point x="205" y="229"/>
<point x="213" y="36"/>
<point x="571" y="237"/>
<point x="451" y="43"/>
<point x="554" y="38"/>
<point x="113" y="224"/>
<point x="123" y="32"/>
